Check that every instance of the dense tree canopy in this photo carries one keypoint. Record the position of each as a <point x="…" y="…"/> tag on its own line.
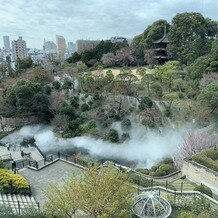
<point x="204" y="64"/>
<point x="209" y="96"/>
<point x="23" y="64"/>
<point x="99" y="192"/>
<point x="190" y="36"/>
<point x="40" y="75"/>
<point x="90" y="57"/>
<point x="25" y="98"/>
<point x="167" y="73"/>
<point x="153" y="32"/>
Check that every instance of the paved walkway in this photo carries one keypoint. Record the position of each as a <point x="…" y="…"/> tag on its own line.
<point x="15" y="153"/>
<point x="54" y="173"/>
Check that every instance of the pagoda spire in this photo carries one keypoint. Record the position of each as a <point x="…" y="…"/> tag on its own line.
<point x="165" y="30"/>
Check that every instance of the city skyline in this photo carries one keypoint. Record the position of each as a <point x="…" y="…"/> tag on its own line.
<point x="36" y="20"/>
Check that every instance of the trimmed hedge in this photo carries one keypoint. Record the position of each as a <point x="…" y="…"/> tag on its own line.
<point x="212" y="153"/>
<point x="208" y="158"/>
<point x="148" y="182"/>
<point x="126" y="124"/>
<point x="163" y="168"/>
<point x="10" y="182"/>
<point x="142" y="181"/>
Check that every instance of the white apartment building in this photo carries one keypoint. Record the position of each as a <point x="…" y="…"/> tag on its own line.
<point x="19" y="48"/>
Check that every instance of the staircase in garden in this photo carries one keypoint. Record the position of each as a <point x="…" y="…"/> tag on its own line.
<point x="18" y="202"/>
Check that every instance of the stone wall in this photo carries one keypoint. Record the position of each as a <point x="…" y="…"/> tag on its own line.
<point x="17" y="121"/>
<point x="200" y="174"/>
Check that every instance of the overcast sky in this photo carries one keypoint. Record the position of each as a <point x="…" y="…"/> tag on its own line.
<point x="90" y="19"/>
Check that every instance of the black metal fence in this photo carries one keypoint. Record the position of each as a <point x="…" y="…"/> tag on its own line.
<point x="180" y="197"/>
<point x="16" y="165"/>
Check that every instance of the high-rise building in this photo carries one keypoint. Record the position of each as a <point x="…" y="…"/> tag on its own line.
<point x="82" y="45"/>
<point x="6" y="41"/>
<point x="49" y="47"/>
<point x="19" y="49"/>
<point x="61" y="47"/>
<point x="71" y="47"/>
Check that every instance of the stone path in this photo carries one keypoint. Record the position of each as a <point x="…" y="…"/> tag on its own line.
<point x="55" y="173"/>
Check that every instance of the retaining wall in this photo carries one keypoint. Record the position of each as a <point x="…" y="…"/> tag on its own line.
<point x="200" y="174"/>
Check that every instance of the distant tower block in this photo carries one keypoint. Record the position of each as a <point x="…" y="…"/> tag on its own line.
<point x="19" y="48"/>
<point x="6" y="41"/>
<point x="61" y="47"/>
<point x="161" y="49"/>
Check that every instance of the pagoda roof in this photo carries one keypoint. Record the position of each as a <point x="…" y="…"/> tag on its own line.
<point x="164" y="39"/>
<point x="160" y="49"/>
<point x="162" y="57"/>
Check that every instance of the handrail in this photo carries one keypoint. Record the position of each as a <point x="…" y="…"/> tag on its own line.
<point x="49" y="159"/>
<point x="180" y="192"/>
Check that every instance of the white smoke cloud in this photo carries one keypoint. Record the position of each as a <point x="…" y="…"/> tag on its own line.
<point x="146" y="147"/>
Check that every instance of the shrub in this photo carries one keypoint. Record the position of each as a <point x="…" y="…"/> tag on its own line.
<point x="125" y="136"/>
<point x="147" y="102"/>
<point x="84" y="107"/>
<point x="112" y="135"/>
<point x="138" y="179"/>
<point x="157" y="90"/>
<point x="56" y="85"/>
<point x="159" y="172"/>
<point x="167" y="111"/>
<point x="74" y="101"/>
<point x="204" y="189"/>
<point x="165" y="167"/>
<point x="212" y="153"/>
<point x="1" y="163"/>
<point x="126" y="124"/>
<point x="180" y="94"/>
<point x="96" y="96"/>
<point x="12" y="182"/>
<point x="47" y="89"/>
<point x="92" y="124"/>
<point x="144" y="171"/>
<point x="149" y="122"/>
<point x="154" y="168"/>
<point x="204" y="159"/>
<point x="67" y="83"/>
<point x="96" y="103"/>
<point x="168" y="160"/>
